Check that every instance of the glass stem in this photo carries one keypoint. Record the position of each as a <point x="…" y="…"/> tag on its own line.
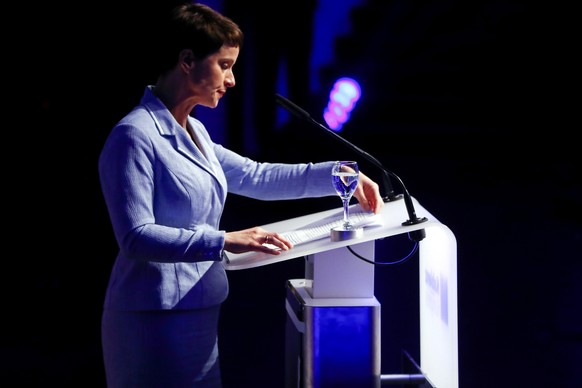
<point x="346" y="202"/>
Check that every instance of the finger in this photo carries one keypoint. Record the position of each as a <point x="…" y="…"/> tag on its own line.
<point x="286" y="244"/>
<point x="276" y="241"/>
<point x="363" y="200"/>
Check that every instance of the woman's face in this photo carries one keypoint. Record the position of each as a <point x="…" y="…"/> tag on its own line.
<point x="213" y="75"/>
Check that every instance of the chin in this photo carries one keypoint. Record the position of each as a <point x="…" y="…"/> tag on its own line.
<point x="214" y="102"/>
<point x="211" y="105"/>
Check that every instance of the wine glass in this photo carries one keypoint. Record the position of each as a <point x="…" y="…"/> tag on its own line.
<point x="344" y="176"/>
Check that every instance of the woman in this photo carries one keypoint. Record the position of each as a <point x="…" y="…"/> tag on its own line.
<point x="165" y="184"/>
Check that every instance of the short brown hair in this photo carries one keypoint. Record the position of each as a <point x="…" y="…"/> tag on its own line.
<point x="197" y="27"/>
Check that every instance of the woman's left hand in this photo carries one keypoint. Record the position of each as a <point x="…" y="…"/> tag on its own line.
<point x="368" y="194"/>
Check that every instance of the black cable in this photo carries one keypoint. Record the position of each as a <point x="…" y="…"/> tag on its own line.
<point x="414" y="248"/>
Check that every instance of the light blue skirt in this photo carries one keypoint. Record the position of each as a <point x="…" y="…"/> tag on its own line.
<point x="166" y="348"/>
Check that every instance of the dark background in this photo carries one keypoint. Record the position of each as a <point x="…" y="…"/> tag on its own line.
<point x="470" y="104"/>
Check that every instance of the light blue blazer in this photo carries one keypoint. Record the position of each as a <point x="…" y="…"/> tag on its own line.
<point x="165" y="197"/>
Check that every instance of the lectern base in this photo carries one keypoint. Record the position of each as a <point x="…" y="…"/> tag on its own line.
<point x="331" y="342"/>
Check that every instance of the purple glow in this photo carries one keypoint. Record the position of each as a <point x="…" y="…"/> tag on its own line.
<point x="343" y="97"/>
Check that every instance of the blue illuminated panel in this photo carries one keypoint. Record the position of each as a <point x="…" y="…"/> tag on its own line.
<point x="341" y="347"/>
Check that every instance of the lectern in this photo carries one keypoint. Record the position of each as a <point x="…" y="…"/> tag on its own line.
<point x="333" y="326"/>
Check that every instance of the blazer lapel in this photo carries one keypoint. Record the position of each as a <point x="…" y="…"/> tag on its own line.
<point x="181" y="141"/>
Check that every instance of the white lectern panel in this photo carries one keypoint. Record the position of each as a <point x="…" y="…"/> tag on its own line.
<point x="438" y="307"/>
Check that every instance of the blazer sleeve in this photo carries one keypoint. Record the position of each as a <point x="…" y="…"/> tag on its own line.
<point x="274" y="181"/>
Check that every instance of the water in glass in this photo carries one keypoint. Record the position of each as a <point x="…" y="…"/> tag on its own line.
<point x="345" y="179"/>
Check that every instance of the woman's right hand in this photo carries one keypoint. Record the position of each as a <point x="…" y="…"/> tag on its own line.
<point x="256" y="239"/>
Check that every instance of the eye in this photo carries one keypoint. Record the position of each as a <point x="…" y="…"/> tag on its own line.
<point x="226" y="64"/>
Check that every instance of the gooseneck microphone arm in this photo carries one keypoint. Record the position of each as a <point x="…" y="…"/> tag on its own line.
<point x="413" y="219"/>
<point x="300" y="113"/>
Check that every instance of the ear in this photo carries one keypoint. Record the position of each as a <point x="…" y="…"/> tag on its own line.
<point x="187" y="59"/>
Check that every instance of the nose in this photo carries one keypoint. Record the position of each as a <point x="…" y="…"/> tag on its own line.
<point x="229" y="81"/>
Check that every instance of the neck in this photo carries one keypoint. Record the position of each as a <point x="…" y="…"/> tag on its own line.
<point x="169" y="92"/>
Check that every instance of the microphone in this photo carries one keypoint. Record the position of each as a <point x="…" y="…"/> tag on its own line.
<point x="413" y="219"/>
